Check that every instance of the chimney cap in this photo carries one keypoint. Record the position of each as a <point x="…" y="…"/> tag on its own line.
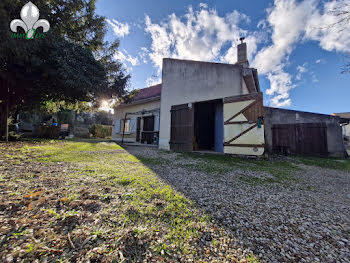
<point x="242" y="39"/>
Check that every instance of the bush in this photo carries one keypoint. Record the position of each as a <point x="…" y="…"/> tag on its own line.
<point x="13" y="136"/>
<point x="101" y="131"/>
<point x="49" y="132"/>
<point x="81" y="132"/>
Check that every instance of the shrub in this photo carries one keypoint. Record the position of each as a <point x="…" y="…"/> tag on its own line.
<point x="81" y="132"/>
<point x="101" y="131"/>
<point x="49" y="132"/>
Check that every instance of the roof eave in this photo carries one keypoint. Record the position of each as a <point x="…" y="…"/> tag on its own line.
<point x="142" y="101"/>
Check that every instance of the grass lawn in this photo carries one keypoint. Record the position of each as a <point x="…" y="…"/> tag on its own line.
<point x="78" y="201"/>
<point x="330" y="163"/>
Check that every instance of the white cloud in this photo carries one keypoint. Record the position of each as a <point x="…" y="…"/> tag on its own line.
<point x="314" y="78"/>
<point x="287" y="19"/>
<point x="125" y="57"/>
<point x="324" y="27"/>
<point x="202" y="34"/>
<point x="198" y="35"/>
<point x="301" y="69"/>
<point x="291" y="22"/>
<point x="119" y="28"/>
<point x="203" y="5"/>
<point x="143" y="55"/>
<point x="154" y="80"/>
<point x="280" y="85"/>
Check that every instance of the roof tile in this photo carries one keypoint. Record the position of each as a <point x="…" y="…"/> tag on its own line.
<point x="150" y="92"/>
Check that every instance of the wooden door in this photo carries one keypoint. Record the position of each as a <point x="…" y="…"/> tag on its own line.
<point x="148" y="123"/>
<point x="300" y="138"/>
<point x="138" y="129"/>
<point x="182" y="128"/>
<point x="244" y="125"/>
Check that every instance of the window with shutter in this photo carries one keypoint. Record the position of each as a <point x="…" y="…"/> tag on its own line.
<point x="117" y="126"/>
<point x="133" y="125"/>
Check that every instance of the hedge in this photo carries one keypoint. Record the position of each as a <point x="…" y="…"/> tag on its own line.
<point x="101" y="131"/>
<point x="49" y="132"/>
<point x="81" y="132"/>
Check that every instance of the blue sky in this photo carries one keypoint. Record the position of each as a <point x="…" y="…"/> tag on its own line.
<point x="298" y="57"/>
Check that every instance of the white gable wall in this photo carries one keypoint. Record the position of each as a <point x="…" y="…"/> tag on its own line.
<point x="189" y="81"/>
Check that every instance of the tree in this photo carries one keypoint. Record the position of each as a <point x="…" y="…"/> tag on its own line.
<point x="72" y="63"/>
<point x="342" y="12"/>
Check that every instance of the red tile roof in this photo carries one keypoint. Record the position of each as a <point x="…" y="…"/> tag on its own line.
<point x="147" y="93"/>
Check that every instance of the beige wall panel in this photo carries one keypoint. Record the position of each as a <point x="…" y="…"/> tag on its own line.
<point x="230" y="109"/>
<point x="231" y="131"/>
<point x="254" y="136"/>
<point x="243" y="150"/>
<point x="240" y="117"/>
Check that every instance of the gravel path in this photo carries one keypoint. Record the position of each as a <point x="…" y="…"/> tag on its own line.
<point x="307" y="221"/>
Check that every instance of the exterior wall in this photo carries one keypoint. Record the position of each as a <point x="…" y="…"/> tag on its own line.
<point x="244" y="87"/>
<point x="119" y="114"/>
<point x="191" y="81"/>
<point x="281" y="116"/>
<point x="346" y="130"/>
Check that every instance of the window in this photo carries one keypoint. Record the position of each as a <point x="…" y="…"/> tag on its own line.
<point x="127" y="126"/>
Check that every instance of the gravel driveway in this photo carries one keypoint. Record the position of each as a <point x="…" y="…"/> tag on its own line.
<point x="307" y="220"/>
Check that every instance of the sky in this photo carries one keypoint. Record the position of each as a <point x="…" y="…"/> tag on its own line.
<point x="296" y="45"/>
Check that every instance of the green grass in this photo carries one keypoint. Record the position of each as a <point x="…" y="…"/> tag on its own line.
<point x="153" y="160"/>
<point x="147" y="204"/>
<point x="281" y="171"/>
<point x="326" y="162"/>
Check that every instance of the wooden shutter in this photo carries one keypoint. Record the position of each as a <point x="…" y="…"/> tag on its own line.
<point x="156" y="122"/>
<point x="182" y="119"/>
<point x="117" y="126"/>
<point x="133" y="125"/>
<point x="243" y="124"/>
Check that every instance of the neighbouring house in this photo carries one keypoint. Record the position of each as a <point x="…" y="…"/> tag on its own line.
<point x="138" y="120"/>
<point x="346" y="126"/>
<point x="205" y="106"/>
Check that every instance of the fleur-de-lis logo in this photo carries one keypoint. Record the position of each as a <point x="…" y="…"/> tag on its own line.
<point x="30" y="21"/>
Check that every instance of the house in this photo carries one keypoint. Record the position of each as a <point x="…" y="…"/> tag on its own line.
<point x="138" y="120"/>
<point x="205" y="106"/>
<point x="345" y="127"/>
<point x="201" y="105"/>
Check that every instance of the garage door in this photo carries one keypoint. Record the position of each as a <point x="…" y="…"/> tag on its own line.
<point x="243" y="124"/>
<point x="300" y="138"/>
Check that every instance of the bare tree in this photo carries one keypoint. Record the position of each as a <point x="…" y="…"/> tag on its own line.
<point x="342" y="12"/>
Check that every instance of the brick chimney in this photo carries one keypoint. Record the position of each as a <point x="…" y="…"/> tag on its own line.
<point x="242" y="53"/>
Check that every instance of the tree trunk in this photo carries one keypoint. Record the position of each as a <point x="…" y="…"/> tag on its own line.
<point x="3" y="119"/>
<point x="4" y="111"/>
<point x="7" y="116"/>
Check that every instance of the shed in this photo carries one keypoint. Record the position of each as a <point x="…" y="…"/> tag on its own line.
<point x="305" y="133"/>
